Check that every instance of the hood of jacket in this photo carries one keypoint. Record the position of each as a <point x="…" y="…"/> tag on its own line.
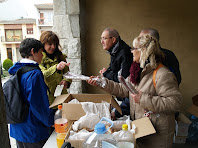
<point x="12" y="70"/>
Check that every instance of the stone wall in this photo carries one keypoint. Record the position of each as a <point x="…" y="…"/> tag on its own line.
<point x="66" y="25"/>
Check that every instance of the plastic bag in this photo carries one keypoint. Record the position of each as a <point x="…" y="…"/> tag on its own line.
<point x="88" y="121"/>
<point x="81" y="135"/>
<point x="100" y="81"/>
<point x="193" y="129"/>
<point x="128" y="85"/>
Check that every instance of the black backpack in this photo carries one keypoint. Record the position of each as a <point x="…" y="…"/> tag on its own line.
<point x="17" y="108"/>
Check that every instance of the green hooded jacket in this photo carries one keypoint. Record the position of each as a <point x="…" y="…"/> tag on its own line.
<point x="52" y="76"/>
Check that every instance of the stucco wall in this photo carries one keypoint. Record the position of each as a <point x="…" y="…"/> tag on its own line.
<point x="175" y="20"/>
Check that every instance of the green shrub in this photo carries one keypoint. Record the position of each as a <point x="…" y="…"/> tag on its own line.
<point x="7" y="64"/>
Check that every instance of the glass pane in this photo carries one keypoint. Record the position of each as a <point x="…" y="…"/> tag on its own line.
<point x="9" y="53"/>
<point x="9" y="34"/>
<point x="17" y="35"/>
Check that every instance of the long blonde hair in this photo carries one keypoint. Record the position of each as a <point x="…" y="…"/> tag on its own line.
<point x="150" y="50"/>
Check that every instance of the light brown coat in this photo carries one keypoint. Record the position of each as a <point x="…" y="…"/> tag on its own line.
<point x="163" y="101"/>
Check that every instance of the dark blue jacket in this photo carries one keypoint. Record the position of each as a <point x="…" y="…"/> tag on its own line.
<point x="121" y="58"/>
<point x="172" y="63"/>
<point x="41" y="117"/>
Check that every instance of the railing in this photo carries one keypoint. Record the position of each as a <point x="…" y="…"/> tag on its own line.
<point x="44" y="22"/>
<point x="11" y="39"/>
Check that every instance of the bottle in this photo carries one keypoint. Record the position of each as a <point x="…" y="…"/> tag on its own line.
<point x="125" y="138"/>
<point x="100" y="138"/>
<point x="193" y="129"/>
<point x="61" y="124"/>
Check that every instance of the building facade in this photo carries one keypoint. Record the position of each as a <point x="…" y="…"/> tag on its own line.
<point x="11" y="35"/>
<point x="44" y="20"/>
<point x="12" y="32"/>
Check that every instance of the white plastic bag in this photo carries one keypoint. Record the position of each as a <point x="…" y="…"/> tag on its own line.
<point x="88" y="121"/>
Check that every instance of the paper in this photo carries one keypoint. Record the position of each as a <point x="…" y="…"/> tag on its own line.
<point x="58" y="90"/>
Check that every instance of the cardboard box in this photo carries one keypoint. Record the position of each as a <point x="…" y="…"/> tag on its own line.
<point x="182" y="123"/>
<point x="194" y="108"/>
<point x="75" y="111"/>
<point x="144" y="127"/>
<point x="179" y="139"/>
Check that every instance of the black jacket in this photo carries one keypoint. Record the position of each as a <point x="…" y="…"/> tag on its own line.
<point x="172" y="63"/>
<point x="121" y="58"/>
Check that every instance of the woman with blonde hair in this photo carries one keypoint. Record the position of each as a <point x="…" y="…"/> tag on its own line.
<point x="157" y="99"/>
<point x="53" y="64"/>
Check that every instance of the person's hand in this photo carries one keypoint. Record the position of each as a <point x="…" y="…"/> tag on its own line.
<point x="102" y="71"/>
<point x="137" y="97"/>
<point x="91" y="81"/>
<point x="65" y="83"/>
<point x="62" y="65"/>
<point x="113" y="117"/>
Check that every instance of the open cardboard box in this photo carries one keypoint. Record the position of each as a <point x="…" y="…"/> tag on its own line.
<point x="75" y="111"/>
<point x="194" y="108"/>
<point x="182" y="123"/>
<point x="144" y="127"/>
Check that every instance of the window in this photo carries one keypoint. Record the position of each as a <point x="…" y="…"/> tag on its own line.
<point x="41" y="21"/>
<point x="30" y="31"/>
<point x="13" y="35"/>
<point x="9" y="53"/>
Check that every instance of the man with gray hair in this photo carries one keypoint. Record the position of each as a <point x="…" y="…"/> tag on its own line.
<point x="170" y="59"/>
<point x="121" y="58"/>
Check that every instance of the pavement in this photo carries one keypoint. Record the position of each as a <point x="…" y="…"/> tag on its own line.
<point x="3" y="80"/>
<point x="12" y="140"/>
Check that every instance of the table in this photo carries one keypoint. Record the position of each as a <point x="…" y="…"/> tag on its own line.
<point x="51" y="142"/>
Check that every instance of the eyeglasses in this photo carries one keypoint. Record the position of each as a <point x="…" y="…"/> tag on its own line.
<point x="133" y="48"/>
<point x="103" y="38"/>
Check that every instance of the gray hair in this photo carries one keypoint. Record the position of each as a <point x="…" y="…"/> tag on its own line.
<point x="113" y="33"/>
<point x="153" y="32"/>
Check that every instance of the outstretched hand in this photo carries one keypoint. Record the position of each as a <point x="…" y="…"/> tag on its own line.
<point x="65" y="83"/>
<point x="62" y="65"/>
<point x="91" y="81"/>
<point x="102" y="71"/>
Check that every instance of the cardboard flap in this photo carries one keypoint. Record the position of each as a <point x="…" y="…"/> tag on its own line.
<point x="195" y="100"/>
<point x="59" y="100"/>
<point x="73" y="114"/>
<point x="116" y="105"/>
<point x="182" y="118"/>
<point x="144" y="127"/>
<point x="193" y="110"/>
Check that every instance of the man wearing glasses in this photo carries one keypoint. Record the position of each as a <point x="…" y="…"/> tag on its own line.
<point x="121" y="58"/>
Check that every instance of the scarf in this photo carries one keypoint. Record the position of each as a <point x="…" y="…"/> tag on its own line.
<point x="135" y="72"/>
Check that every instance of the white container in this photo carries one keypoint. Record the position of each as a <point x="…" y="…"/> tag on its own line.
<point x="101" y="138"/>
<point x="125" y="138"/>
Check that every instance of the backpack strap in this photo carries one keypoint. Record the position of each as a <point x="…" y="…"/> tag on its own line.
<point x="154" y="73"/>
<point x="26" y="68"/>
